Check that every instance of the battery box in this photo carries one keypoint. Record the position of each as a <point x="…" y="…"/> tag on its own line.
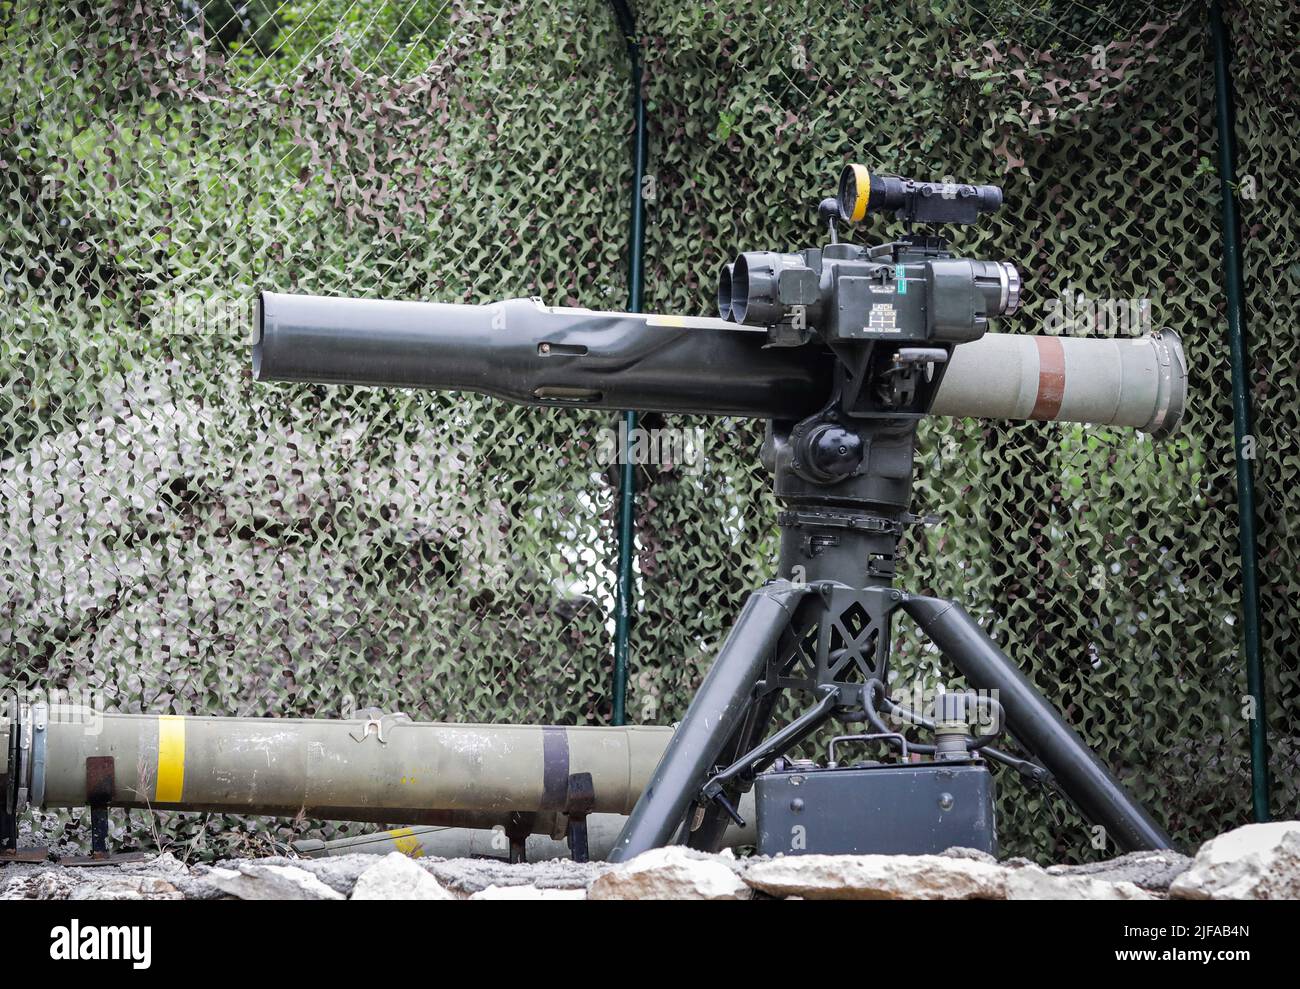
<point x="889" y="809"/>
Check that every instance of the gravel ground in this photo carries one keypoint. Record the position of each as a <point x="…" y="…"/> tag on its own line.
<point x="167" y="878"/>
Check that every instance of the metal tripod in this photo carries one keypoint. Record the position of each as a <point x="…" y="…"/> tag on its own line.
<point x="823" y="629"/>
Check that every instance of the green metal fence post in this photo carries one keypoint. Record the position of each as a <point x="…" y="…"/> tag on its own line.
<point x="627" y="485"/>
<point x="1241" y="414"/>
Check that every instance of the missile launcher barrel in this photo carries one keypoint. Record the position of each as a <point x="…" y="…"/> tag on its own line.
<point x="527" y="353"/>
<point x="1133" y="381"/>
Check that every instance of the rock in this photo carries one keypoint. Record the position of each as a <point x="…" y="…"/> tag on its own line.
<point x="672" y="873"/>
<point x="340" y="873"/>
<point x="175" y="872"/>
<point x="469" y="876"/>
<point x="396" y="877"/>
<point x="1032" y="883"/>
<point x="53" y="884"/>
<point x="528" y="892"/>
<point x="1151" y="870"/>
<point x="163" y="864"/>
<point x="878" y="877"/>
<point x="99" y="883"/>
<point x="974" y="854"/>
<point x="256" y="881"/>
<point x="126" y="887"/>
<point x="1254" y="862"/>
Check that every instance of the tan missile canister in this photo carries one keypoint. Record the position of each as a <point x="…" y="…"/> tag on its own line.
<point x="462" y="842"/>
<point x="1132" y="381"/>
<point x="383" y="769"/>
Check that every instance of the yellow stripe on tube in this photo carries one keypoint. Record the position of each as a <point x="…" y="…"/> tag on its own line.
<point x="407" y="842"/>
<point x="171" y="759"/>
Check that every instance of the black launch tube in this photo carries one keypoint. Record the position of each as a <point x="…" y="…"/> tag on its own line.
<point x="524" y="352"/>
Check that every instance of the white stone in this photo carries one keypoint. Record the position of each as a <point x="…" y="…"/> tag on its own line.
<point x="528" y="892"/>
<point x="1254" y="862"/>
<point x="253" y="881"/>
<point x="878" y="877"/>
<point x="672" y="873"/>
<point x="396" y="877"/>
<point x="165" y="863"/>
<point x="127" y="887"/>
<point x="1032" y="883"/>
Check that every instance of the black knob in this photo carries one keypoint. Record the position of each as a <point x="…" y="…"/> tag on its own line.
<point x="828" y="453"/>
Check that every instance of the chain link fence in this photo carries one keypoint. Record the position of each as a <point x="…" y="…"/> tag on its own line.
<point x="178" y="539"/>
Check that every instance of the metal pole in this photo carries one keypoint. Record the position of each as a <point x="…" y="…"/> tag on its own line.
<point x="1241" y="415"/>
<point x="627" y="485"/>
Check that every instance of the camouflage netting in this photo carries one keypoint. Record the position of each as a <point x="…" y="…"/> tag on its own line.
<point x="181" y="540"/>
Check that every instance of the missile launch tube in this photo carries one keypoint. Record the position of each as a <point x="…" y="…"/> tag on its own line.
<point x="527" y="353"/>
<point x="379" y="770"/>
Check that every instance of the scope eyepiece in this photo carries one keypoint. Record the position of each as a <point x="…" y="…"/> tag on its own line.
<point x="1012" y="286"/>
<point x="862" y="192"/>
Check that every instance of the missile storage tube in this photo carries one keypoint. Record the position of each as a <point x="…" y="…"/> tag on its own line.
<point x="462" y="842"/>
<point x="1128" y="381"/>
<point x="421" y="773"/>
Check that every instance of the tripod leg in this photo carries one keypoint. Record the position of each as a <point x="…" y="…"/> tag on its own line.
<point x="713" y="825"/>
<point x="1083" y="777"/>
<point x="712" y="720"/>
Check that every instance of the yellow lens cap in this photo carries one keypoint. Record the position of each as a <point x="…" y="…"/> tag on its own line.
<point x="855" y="190"/>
